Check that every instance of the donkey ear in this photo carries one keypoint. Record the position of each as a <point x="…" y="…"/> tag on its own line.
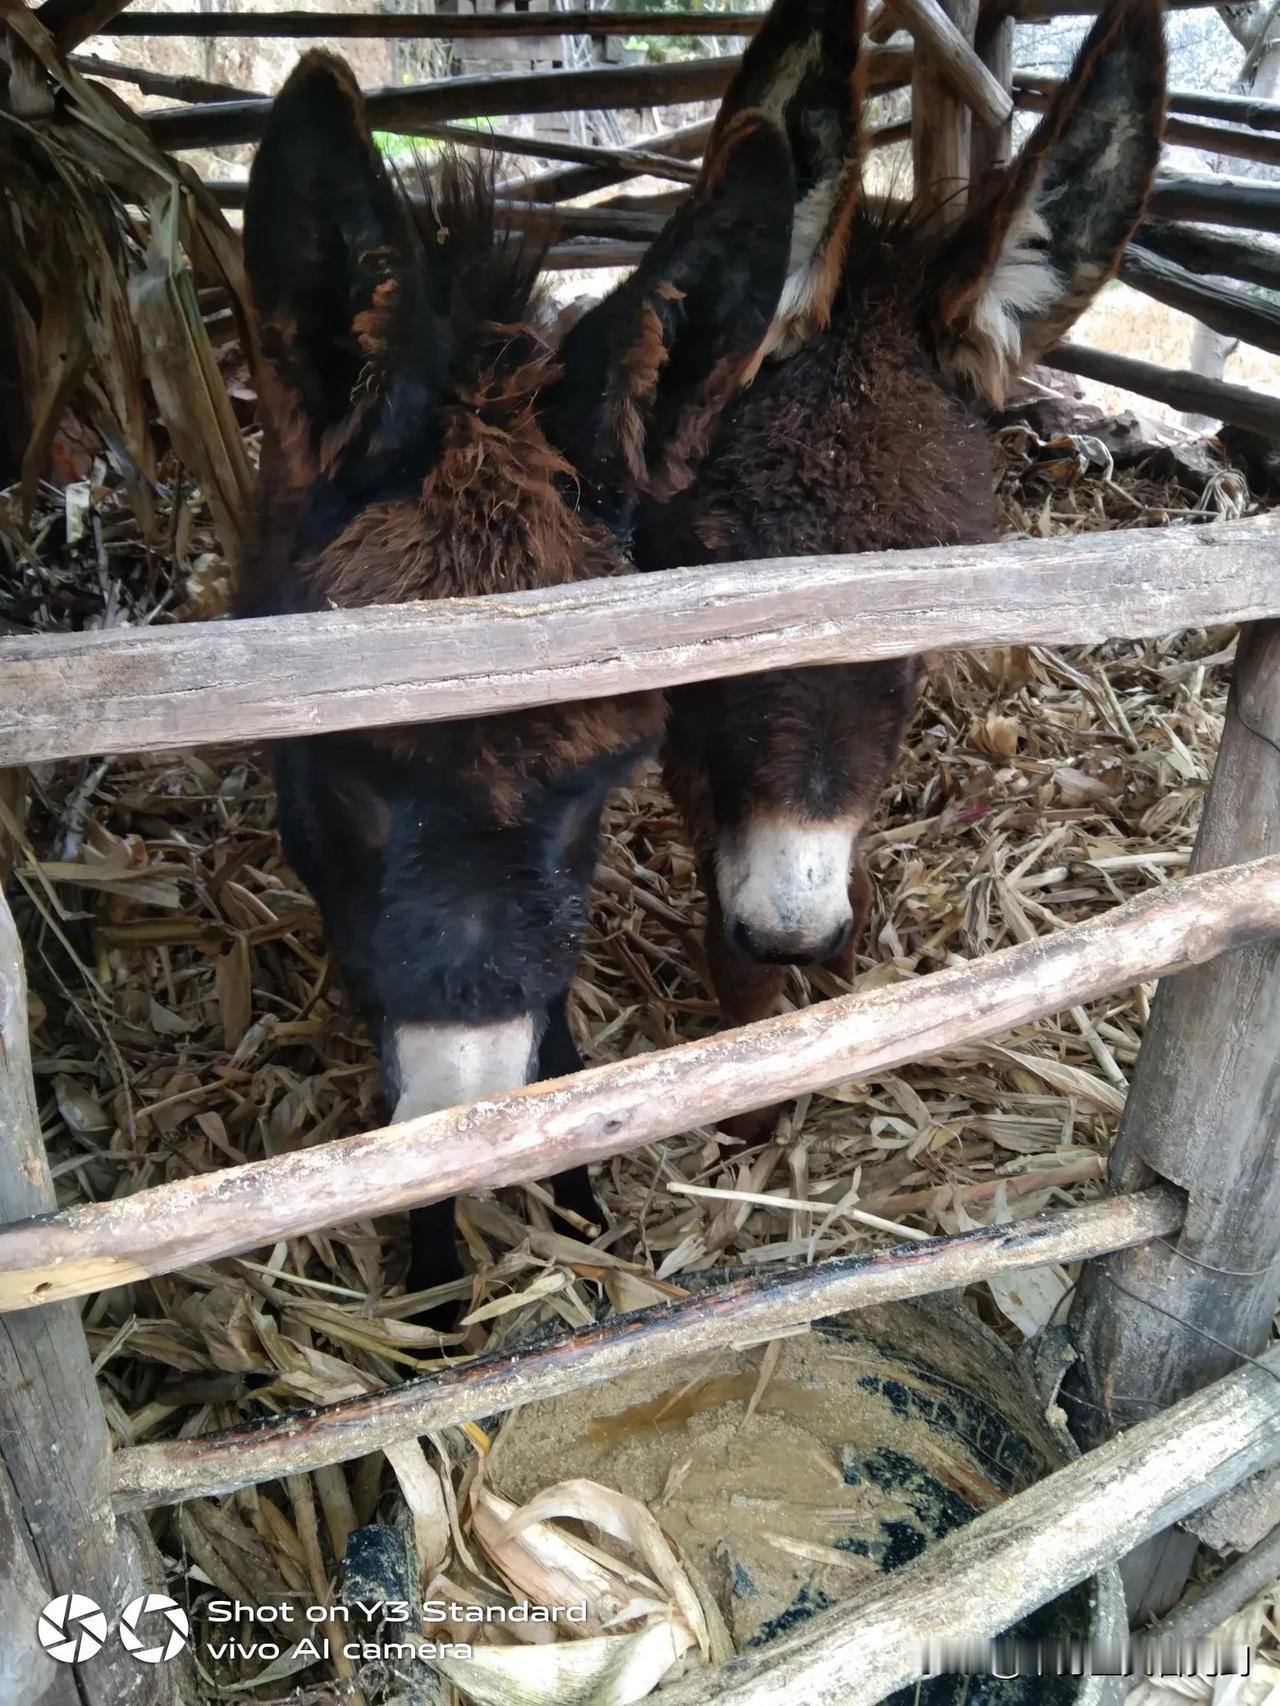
<point x="336" y="277"/>
<point x="1020" y="269"/>
<point x="647" y="372"/>
<point x="804" y="71"/>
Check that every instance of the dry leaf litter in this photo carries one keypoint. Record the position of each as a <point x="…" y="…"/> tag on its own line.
<point x="186" y="1017"/>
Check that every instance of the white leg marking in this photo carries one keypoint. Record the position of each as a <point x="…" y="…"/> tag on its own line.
<point x="441" y="1066"/>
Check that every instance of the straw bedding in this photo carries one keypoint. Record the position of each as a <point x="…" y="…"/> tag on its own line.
<point x="186" y="1017"/>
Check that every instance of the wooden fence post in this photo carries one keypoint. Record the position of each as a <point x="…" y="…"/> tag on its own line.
<point x="991" y="148"/>
<point x="1204" y="1114"/>
<point x="57" y="1531"/>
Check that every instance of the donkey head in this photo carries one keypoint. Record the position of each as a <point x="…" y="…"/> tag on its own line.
<point x="866" y="430"/>
<point x="423" y="440"/>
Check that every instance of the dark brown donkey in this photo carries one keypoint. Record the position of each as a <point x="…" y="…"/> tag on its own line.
<point x="424" y="442"/>
<point x="865" y="429"/>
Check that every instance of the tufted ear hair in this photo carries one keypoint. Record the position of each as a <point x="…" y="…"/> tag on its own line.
<point x="647" y="372"/>
<point x="804" y="70"/>
<point x="350" y="354"/>
<point x="1022" y="267"/>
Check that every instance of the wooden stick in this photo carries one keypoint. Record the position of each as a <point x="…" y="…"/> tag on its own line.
<point x="1209" y="252"/>
<point x="443" y="26"/>
<point x="746" y="1309"/>
<point x="538" y="1131"/>
<point x="70" y="22"/>
<point x="684" y="144"/>
<point x="1235" y="312"/>
<point x="1253" y="1572"/>
<point x="570" y="257"/>
<point x="57" y="1532"/>
<point x="946" y="36"/>
<point x="1013" y="1558"/>
<point x="162" y="689"/>
<point x="155" y="82"/>
<point x="992" y="146"/>
<point x="393" y="108"/>
<point x="1218" y="200"/>
<point x="941" y="127"/>
<point x="1179" y="388"/>
<point x="1204" y="1110"/>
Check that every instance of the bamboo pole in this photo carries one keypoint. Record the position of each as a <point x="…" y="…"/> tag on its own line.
<point x="984" y="1577"/>
<point x="163" y="689"/>
<point x="57" y="1531"/>
<point x="542" y="1129"/>
<point x="744" y="1310"/>
<point x="1237" y="313"/>
<point x="1179" y="388"/>
<point x="1203" y="1112"/>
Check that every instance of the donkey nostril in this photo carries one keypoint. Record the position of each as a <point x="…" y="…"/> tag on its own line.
<point x="742" y="939"/>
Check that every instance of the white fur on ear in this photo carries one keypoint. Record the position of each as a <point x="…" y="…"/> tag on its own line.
<point x="987" y="352"/>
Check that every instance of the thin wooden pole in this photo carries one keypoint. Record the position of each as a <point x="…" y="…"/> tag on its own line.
<point x="539" y="1131"/>
<point x="1208" y="252"/>
<point x="1179" y="388"/>
<point x="744" y="1310"/>
<point x="1203" y="1113"/>
<point x="1237" y="313"/>
<point x="1228" y="109"/>
<point x="992" y="145"/>
<point x="211" y="126"/>
<point x="57" y="1531"/>
<point x="442" y="26"/>
<point x="1218" y="200"/>
<point x="131" y="690"/>
<point x="945" y="33"/>
<point x="1013" y="1558"/>
<point x="941" y="119"/>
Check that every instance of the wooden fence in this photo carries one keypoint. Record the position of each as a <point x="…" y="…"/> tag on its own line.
<point x="1191" y="1230"/>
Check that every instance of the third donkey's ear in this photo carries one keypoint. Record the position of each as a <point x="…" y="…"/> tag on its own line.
<point x="1020" y="269"/>
<point x="647" y="372"/>
<point x="349" y="350"/>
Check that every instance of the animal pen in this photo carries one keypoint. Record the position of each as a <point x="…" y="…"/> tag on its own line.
<point x="1175" y="1394"/>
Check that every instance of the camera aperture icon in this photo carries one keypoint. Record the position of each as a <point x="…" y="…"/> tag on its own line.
<point x="72" y="1628"/>
<point x="154" y="1628"/>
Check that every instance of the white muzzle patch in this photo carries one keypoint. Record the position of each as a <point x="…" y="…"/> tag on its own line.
<point x="443" y="1065"/>
<point x="784" y="888"/>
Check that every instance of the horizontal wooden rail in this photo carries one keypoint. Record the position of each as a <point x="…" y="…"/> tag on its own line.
<point x="161" y="689"/>
<point x="407" y="26"/>
<point x="1211" y="253"/>
<point x="539" y="1131"/>
<point x="393" y="108"/>
<point x="1015" y="1557"/>
<point x="1178" y="388"/>
<point x="418" y="26"/>
<point x="745" y="1309"/>
<point x="1250" y="203"/>
<point x="1178" y="132"/>
<point x="1227" y="309"/>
